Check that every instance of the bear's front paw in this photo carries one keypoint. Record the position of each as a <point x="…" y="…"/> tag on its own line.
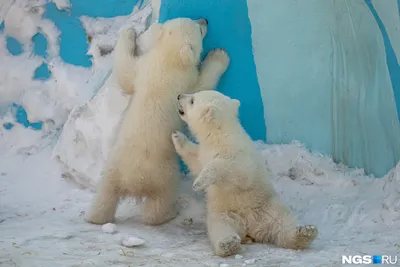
<point x="200" y="184"/>
<point x="219" y="56"/>
<point x="179" y="140"/>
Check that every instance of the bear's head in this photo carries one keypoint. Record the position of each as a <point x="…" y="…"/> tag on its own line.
<point x="208" y="109"/>
<point x="181" y="38"/>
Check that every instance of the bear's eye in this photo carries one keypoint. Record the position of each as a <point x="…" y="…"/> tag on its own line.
<point x="192" y="101"/>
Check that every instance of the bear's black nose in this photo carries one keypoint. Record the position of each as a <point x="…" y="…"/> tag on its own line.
<point x="179" y="97"/>
<point x="206" y="21"/>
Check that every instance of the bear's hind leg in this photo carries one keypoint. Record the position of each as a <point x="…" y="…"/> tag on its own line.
<point x="159" y="208"/>
<point x="226" y="232"/>
<point x="105" y="202"/>
<point x="298" y="238"/>
<point x="279" y="227"/>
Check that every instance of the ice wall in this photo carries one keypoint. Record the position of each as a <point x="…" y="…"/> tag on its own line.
<point x="330" y="78"/>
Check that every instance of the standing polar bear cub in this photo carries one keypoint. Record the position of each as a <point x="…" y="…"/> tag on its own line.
<point x="241" y="201"/>
<point x="143" y="163"/>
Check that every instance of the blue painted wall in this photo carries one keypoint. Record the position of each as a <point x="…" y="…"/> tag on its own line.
<point x="229" y="27"/>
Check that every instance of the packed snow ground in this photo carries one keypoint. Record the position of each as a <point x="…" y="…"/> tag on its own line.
<point x="41" y="216"/>
<point x="41" y="212"/>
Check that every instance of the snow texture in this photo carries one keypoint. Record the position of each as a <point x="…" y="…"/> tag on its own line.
<point x="238" y="256"/>
<point x="250" y="261"/>
<point x="42" y="220"/>
<point x="22" y="19"/>
<point x="132" y="241"/>
<point x="5" y="6"/>
<point x="109" y="228"/>
<point x="42" y="213"/>
<point x="62" y="4"/>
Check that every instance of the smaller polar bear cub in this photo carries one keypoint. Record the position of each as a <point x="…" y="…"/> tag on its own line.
<point x="241" y="201"/>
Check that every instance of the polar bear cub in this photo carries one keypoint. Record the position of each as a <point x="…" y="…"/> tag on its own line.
<point x="143" y="163"/>
<point x="241" y="201"/>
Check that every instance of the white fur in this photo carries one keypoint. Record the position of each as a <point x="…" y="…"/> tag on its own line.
<point x="241" y="201"/>
<point x="143" y="163"/>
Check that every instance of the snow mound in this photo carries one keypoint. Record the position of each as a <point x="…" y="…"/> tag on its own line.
<point x="109" y="228"/>
<point x="132" y="241"/>
<point x="87" y="135"/>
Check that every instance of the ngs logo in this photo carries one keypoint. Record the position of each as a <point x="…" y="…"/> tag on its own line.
<point x="368" y="259"/>
<point x="357" y="259"/>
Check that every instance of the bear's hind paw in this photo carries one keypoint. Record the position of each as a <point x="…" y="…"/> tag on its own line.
<point x="305" y="235"/>
<point x="228" y="246"/>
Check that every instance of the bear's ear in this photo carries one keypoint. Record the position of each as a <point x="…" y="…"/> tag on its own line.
<point x="187" y="54"/>
<point x="208" y="114"/>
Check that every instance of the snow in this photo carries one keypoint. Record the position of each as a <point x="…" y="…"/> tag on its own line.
<point x="21" y="21"/>
<point x="251" y="261"/>
<point x="42" y="211"/>
<point x="132" y="241"/>
<point x="62" y="4"/>
<point x="5" y="6"/>
<point x="42" y="220"/>
<point x="109" y="228"/>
